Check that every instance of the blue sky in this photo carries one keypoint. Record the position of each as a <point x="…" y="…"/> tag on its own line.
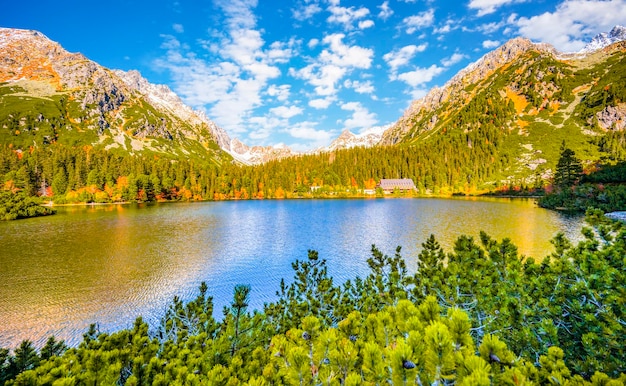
<point x="299" y="72"/>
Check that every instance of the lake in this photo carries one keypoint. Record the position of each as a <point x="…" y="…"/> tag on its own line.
<point x="109" y="264"/>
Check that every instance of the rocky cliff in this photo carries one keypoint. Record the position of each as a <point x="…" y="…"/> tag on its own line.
<point x="347" y="140"/>
<point x="51" y="95"/>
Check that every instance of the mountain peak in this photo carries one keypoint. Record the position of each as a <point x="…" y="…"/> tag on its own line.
<point x="603" y="39"/>
<point x="7" y="34"/>
<point x="346" y="140"/>
<point x="110" y="109"/>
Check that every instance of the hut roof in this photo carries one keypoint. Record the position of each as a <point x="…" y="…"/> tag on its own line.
<point x="404" y="183"/>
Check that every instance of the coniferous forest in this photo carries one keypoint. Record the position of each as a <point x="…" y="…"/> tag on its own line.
<point x="84" y="174"/>
<point x="477" y="315"/>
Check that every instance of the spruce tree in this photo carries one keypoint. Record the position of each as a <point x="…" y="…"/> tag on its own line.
<point x="568" y="169"/>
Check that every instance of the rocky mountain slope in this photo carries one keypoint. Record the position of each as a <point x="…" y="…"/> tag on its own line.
<point x="604" y="39"/>
<point x="529" y="98"/>
<point x="50" y="95"/>
<point x="164" y="99"/>
<point x="347" y="140"/>
<point x="536" y="96"/>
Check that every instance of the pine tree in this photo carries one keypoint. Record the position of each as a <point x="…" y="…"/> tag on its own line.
<point x="568" y="169"/>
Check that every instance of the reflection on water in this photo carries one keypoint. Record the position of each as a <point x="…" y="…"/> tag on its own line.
<point x="109" y="264"/>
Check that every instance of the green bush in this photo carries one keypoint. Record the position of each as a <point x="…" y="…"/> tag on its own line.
<point x="17" y="205"/>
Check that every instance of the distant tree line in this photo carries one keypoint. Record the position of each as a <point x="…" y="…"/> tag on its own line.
<point x="451" y="163"/>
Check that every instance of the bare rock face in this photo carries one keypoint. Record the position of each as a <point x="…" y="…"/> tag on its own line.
<point x="238" y="147"/>
<point x="617" y="34"/>
<point x="612" y="117"/>
<point x="148" y="129"/>
<point x="28" y="55"/>
<point x="31" y="55"/>
<point x="368" y="138"/>
<point x="118" y="106"/>
<point x="163" y="98"/>
<point x="253" y="155"/>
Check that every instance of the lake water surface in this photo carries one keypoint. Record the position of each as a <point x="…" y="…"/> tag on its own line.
<point x="110" y="264"/>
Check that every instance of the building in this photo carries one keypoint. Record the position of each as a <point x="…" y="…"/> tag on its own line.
<point x="402" y="185"/>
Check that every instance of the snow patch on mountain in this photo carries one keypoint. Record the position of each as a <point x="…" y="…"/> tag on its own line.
<point x="347" y="140"/>
<point x="254" y="155"/>
<point x="617" y="34"/>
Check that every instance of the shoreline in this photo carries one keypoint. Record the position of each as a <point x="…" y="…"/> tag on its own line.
<point x="617" y="215"/>
<point x="52" y="204"/>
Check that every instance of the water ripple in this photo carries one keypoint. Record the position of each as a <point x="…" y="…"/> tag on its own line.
<point x="109" y="264"/>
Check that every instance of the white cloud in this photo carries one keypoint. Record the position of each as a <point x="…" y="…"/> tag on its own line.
<point x="306" y="11"/>
<point x="333" y="64"/>
<point x="385" y="10"/>
<point x="364" y="24"/>
<point x="321" y="103"/>
<point x="343" y="55"/>
<point x="491" y="44"/>
<point x="263" y="127"/>
<point x="239" y="13"/>
<point x="307" y="130"/>
<point x="193" y="76"/>
<point x="178" y="28"/>
<point x="323" y="77"/>
<point x="420" y="75"/>
<point x="345" y="16"/>
<point x="361" y="117"/>
<point x="572" y="23"/>
<point x="243" y="46"/>
<point x="286" y="112"/>
<point x="403" y="56"/>
<point x="443" y="30"/>
<point x="231" y="84"/>
<point x="452" y="60"/>
<point x="418" y="93"/>
<point x="280" y="92"/>
<point x="485" y="7"/>
<point x="313" y="43"/>
<point x="276" y="119"/>
<point x="282" y="52"/>
<point x="419" y="21"/>
<point x="490" y="28"/>
<point x="449" y="26"/>
<point x="365" y="87"/>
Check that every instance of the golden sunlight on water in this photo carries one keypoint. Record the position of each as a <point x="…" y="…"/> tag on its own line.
<point x="109" y="264"/>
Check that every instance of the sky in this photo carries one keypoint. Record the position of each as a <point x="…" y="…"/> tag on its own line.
<point x="299" y="72"/>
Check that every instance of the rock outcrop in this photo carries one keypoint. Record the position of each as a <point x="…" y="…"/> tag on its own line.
<point x="120" y="108"/>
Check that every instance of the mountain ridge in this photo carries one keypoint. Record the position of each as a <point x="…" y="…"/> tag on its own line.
<point x="76" y="95"/>
<point x="604" y="39"/>
<point x="47" y="71"/>
<point x="485" y="66"/>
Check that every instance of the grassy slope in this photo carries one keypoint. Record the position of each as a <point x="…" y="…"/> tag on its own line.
<point x="554" y="101"/>
<point x="38" y="119"/>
